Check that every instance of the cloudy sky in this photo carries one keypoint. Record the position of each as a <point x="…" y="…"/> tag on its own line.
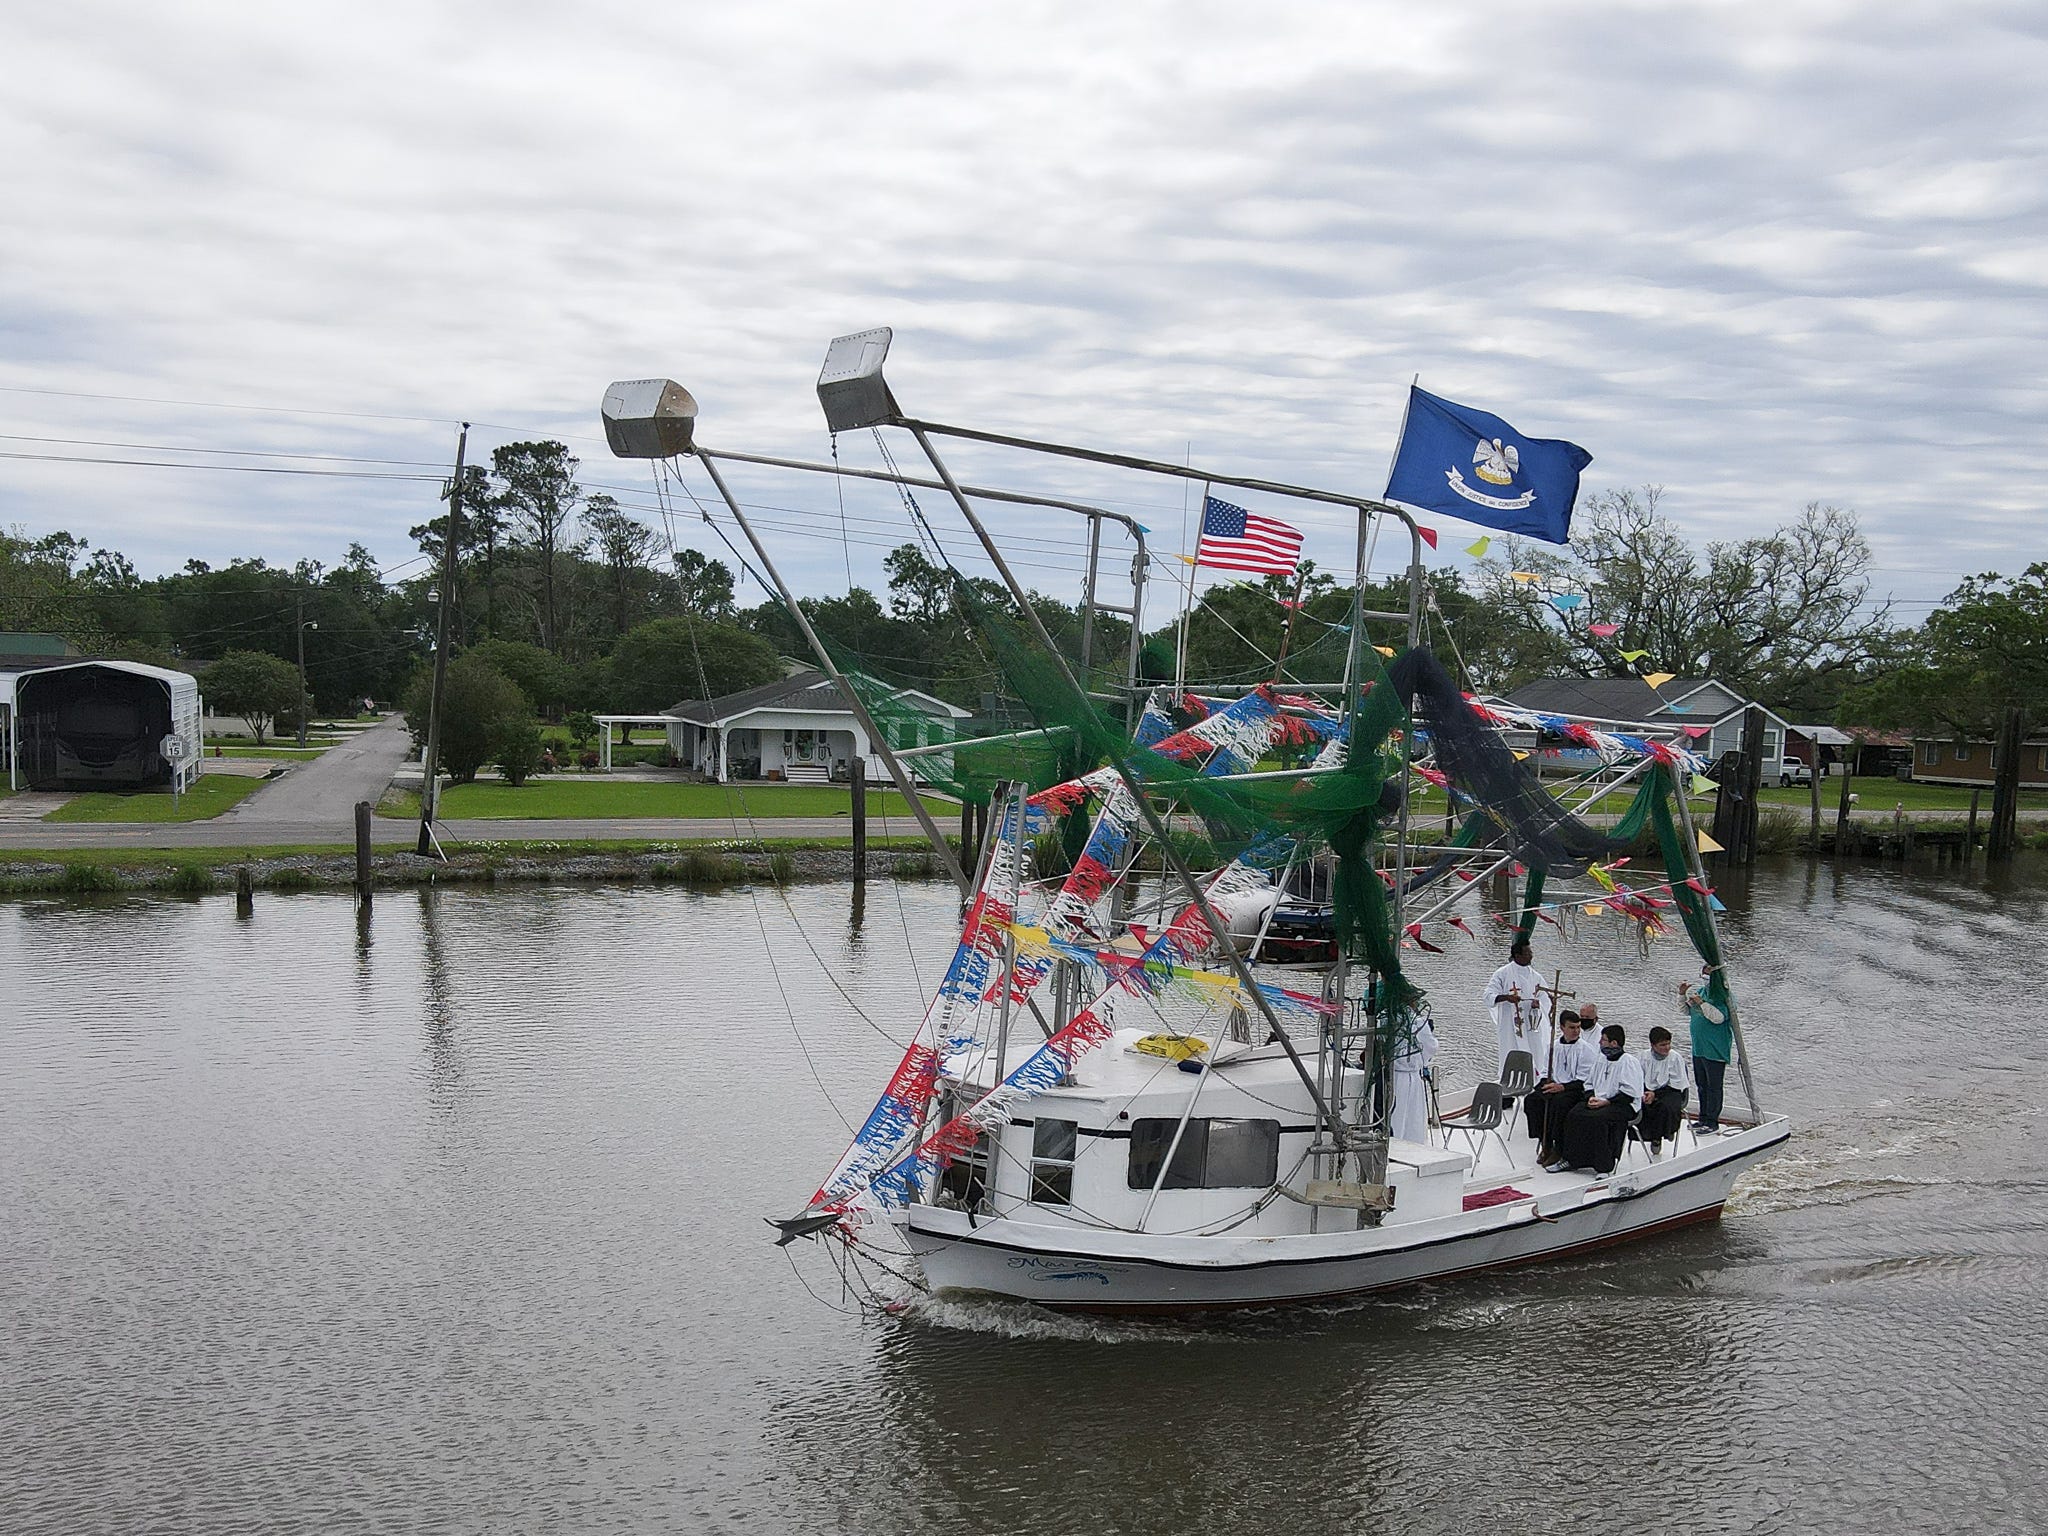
<point x="1760" y="254"/>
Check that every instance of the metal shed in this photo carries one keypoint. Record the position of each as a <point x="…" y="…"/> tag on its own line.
<point x="102" y="724"/>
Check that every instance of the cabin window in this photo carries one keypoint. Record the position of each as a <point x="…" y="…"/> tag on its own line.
<point x="963" y="1181"/>
<point x="1213" y="1154"/>
<point x="1962" y="752"/>
<point x="1930" y="754"/>
<point x="1052" y="1162"/>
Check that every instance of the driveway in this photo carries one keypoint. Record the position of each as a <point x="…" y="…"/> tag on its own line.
<point x="322" y="792"/>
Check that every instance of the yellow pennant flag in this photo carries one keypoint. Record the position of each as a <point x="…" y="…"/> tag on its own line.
<point x="1659" y="679"/>
<point x="1384" y="650"/>
<point x="1701" y="784"/>
<point x="1594" y="909"/>
<point x="1633" y="655"/>
<point x="1521" y="757"/>
<point x="1478" y="548"/>
<point x="1525" y="577"/>
<point x="1708" y="845"/>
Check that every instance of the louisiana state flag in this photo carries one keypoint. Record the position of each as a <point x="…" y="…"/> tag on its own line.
<point x="1471" y="465"/>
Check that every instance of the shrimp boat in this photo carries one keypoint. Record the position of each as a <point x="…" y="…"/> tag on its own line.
<point x="1124" y="1096"/>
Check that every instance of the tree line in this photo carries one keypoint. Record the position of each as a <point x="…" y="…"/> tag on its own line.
<point x="570" y="598"/>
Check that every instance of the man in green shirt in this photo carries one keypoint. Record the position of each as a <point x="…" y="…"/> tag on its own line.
<point x="1713" y="1047"/>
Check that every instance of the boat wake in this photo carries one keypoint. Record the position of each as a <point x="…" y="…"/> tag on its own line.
<point x="1891" y="1156"/>
<point x="1001" y="1318"/>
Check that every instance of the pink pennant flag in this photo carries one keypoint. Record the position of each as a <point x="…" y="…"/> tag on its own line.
<point x="1415" y="933"/>
<point x="1428" y="535"/>
<point x="1697" y="731"/>
<point x="1602" y="630"/>
<point x="1699" y="885"/>
<point x="1459" y="924"/>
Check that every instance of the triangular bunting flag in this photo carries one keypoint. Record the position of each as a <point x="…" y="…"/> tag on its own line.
<point x="1428" y="535"/>
<point x="1594" y="909"/>
<point x="1602" y="630"/>
<point x="1659" y="679"/>
<point x="1565" y="602"/>
<point x="1478" y="547"/>
<point x="1633" y="655"/>
<point x="1525" y="577"/>
<point x="1708" y="845"/>
<point x="1701" y="784"/>
<point x="1415" y="933"/>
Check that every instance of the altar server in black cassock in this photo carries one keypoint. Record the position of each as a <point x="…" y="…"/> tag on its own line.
<point x="1563" y="1087"/>
<point x="1664" y="1090"/>
<point x="1593" y="1133"/>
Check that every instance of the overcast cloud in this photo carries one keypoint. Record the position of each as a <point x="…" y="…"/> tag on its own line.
<point x="1759" y="254"/>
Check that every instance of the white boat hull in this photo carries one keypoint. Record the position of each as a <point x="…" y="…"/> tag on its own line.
<point x="1082" y="1269"/>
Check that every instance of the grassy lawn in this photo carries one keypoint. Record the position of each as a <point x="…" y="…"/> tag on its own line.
<point x="213" y="793"/>
<point x="582" y="799"/>
<point x="1873" y="794"/>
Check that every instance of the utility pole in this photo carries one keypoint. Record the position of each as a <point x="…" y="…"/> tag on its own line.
<point x="430" y="761"/>
<point x="300" y="628"/>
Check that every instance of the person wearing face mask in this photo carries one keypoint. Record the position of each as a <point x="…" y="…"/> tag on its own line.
<point x="1593" y="1133"/>
<point x="1563" y="1088"/>
<point x="1664" y="1089"/>
<point x="1713" y="1047"/>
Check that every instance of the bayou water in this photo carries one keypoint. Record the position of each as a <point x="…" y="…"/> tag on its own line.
<point x="452" y="1221"/>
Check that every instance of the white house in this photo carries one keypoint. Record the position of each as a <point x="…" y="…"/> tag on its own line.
<point x="798" y="728"/>
<point x="1709" y="712"/>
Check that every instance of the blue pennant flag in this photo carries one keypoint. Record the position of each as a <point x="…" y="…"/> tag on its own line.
<point x="1470" y="465"/>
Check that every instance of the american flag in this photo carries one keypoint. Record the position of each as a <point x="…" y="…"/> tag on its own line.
<point x="1236" y="540"/>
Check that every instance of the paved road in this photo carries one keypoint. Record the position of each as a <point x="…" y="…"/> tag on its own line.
<point x="229" y="832"/>
<point x="323" y="791"/>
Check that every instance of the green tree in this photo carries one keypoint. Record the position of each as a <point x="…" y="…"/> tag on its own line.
<point x="1784" y="617"/>
<point x="478" y="707"/>
<point x="538" y="495"/>
<point x="518" y="749"/>
<point x="1983" y="652"/>
<point x="705" y="585"/>
<point x="665" y="661"/>
<point x="545" y="680"/>
<point x="254" y="685"/>
<point x="623" y="544"/>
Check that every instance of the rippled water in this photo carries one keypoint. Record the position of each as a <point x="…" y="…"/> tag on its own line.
<point x="453" y="1223"/>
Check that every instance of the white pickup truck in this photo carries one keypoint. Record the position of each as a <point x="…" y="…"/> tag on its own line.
<point x="1791" y="771"/>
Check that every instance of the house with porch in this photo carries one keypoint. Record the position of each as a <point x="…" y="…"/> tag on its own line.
<point x="799" y="728"/>
<point x="1707" y="712"/>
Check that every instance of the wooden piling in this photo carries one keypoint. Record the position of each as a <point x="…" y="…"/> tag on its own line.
<point x="1813" y="783"/>
<point x="2005" y="790"/>
<point x="1970" y="838"/>
<point x="1842" y="813"/>
<point x="365" y="872"/>
<point x="857" y="783"/>
<point x="245" y="891"/>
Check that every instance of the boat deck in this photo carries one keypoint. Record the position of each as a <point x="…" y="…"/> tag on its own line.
<point x="1513" y="1167"/>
